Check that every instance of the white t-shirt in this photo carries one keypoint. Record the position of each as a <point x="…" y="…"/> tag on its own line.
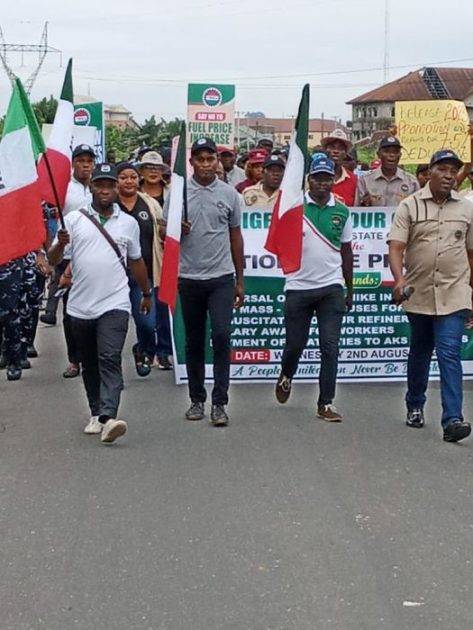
<point x="77" y="196"/>
<point x="99" y="282"/>
<point x="321" y="263"/>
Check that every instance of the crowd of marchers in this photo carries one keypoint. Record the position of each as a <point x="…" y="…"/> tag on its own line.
<point x="105" y="265"/>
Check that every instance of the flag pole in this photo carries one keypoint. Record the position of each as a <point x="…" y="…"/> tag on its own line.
<point x="185" y="211"/>
<point x="53" y="186"/>
<point x="183" y="137"/>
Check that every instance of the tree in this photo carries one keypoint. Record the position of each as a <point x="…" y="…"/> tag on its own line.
<point x="45" y="110"/>
<point x="151" y="133"/>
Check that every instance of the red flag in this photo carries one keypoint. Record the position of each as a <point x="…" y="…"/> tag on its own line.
<point x="285" y="232"/>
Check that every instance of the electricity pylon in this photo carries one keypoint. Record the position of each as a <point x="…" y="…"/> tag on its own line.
<point x="42" y="49"/>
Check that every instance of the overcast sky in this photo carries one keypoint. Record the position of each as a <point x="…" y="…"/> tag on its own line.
<point x="142" y="54"/>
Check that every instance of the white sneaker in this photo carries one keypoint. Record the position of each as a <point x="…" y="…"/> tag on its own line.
<point x="113" y="429"/>
<point x="94" y="427"/>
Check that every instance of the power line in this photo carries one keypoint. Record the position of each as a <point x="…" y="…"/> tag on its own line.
<point x="42" y="48"/>
<point x="170" y="81"/>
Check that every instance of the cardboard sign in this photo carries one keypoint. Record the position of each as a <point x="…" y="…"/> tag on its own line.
<point x="211" y="113"/>
<point x="424" y="127"/>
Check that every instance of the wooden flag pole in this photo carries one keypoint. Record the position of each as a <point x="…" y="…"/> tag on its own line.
<point x="53" y="186"/>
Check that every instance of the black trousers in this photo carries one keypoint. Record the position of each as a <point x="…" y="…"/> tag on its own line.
<point x="215" y="298"/>
<point x="72" y="349"/>
<point x="53" y="302"/>
<point x="100" y="343"/>
<point x="328" y="304"/>
<point x="51" y="308"/>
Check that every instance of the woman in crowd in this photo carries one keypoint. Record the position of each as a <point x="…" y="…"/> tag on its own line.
<point x="148" y="212"/>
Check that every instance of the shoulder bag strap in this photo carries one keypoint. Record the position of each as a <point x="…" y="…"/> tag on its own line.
<point x="106" y="235"/>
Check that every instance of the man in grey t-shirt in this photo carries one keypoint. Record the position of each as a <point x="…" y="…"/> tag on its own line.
<point x="210" y="277"/>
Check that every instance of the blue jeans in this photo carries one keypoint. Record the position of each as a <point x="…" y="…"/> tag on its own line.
<point x="148" y="326"/>
<point x="444" y="333"/>
<point x="163" y="327"/>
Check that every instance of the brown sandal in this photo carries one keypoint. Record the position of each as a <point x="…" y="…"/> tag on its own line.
<point x="71" y="371"/>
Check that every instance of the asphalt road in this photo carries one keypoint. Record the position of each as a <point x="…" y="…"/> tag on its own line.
<point x="279" y="521"/>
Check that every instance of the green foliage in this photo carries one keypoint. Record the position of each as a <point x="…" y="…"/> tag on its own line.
<point x="45" y="110"/>
<point x="366" y="154"/>
<point x="150" y="133"/>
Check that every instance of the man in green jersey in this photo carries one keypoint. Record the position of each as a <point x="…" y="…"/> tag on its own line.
<point x="318" y="287"/>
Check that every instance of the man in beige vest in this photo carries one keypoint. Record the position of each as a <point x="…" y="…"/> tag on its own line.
<point x="431" y="259"/>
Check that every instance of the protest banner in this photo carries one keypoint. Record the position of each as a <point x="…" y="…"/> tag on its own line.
<point x="374" y="343"/>
<point x="91" y="115"/>
<point x="424" y="127"/>
<point x="211" y="113"/>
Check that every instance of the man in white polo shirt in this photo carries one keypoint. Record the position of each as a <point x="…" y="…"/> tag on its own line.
<point x="318" y="287"/>
<point x="99" y="302"/>
<point x="78" y="196"/>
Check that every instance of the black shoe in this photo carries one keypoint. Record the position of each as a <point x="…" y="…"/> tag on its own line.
<point x="195" y="411"/>
<point x="164" y="363"/>
<point x="31" y="352"/>
<point x="3" y="361"/>
<point x="142" y="363"/>
<point x="283" y="388"/>
<point x="218" y="416"/>
<point x="415" y="418"/>
<point x="13" y="373"/>
<point x="48" y="318"/>
<point x="25" y="364"/>
<point x="456" y="430"/>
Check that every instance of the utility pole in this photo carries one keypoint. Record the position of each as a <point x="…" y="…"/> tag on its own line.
<point x="386" y="41"/>
<point x="42" y="49"/>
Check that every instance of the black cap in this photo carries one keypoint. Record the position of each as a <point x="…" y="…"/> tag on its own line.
<point x="104" y="171"/>
<point x="389" y="141"/>
<point x="202" y="144"/>
<point x="123" y="166"/>
<point x="264" y="141"/>
<point x="83" y="149"/>
<point x="443" y="155"/>
<point x="421" y="168"/>
<point x="274" y="160"/>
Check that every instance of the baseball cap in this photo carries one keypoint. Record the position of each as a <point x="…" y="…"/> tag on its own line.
<point x="317" y="154"/>
<point x="202" y="144"/>
<point x="274" y="160"/>
<point x="104" y="171"/>
<point x="421" y="168"/>
<point x="151" y="158"/>
<point x="257" y="156"/>
<point x="322" y="164"/>
<point x="337" y="135"/>
<point x="264" y="141"/>
<point x="142" y="150"/>
<point x="222" y="150"/>
<point x="443" y="155"/>
<point x="83" y="149"/>
<point x="123" y="166"/>
<point x="389" y="141"/>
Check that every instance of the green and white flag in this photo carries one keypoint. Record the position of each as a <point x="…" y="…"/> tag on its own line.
<point x="21" y="217"/>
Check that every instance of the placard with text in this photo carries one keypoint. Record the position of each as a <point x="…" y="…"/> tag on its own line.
<point x="375" y="334"/>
